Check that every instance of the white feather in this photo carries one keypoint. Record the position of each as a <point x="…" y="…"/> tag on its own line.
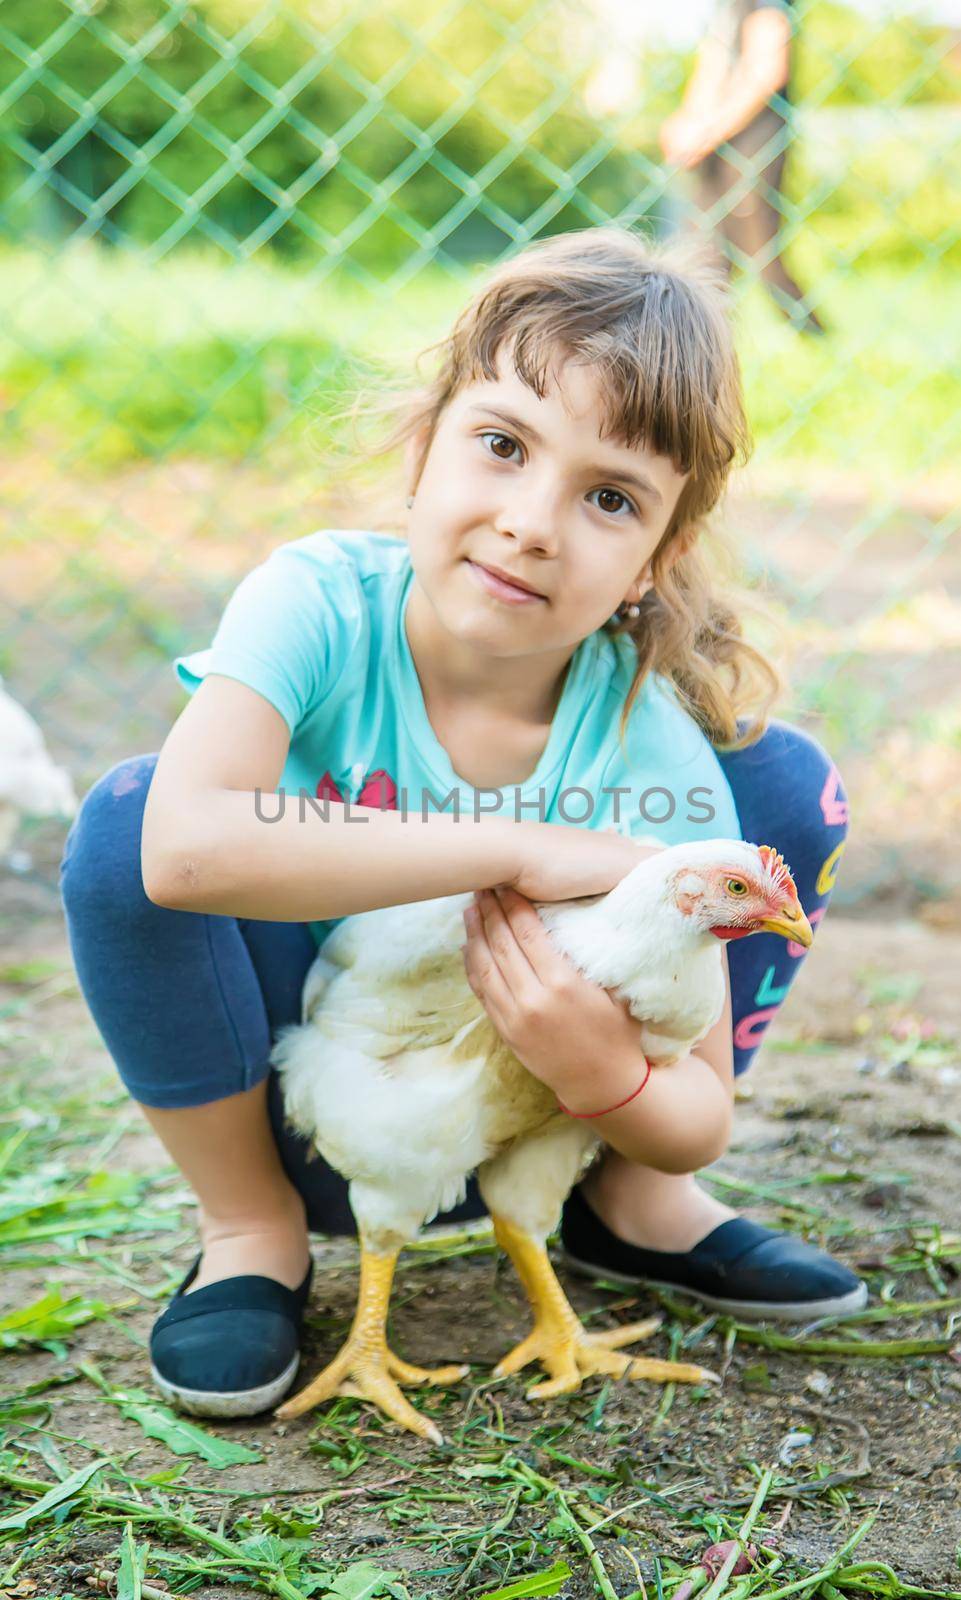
<point x="31" y="784"/>
<point x="399" y="1077"/>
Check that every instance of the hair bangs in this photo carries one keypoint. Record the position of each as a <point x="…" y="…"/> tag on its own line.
<point x="659" y="365"/>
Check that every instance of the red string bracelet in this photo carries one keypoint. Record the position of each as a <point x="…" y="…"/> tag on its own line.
<point x="620" y="1103"/>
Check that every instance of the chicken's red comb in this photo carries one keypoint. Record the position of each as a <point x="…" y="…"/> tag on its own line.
<point x="776" y="868"/>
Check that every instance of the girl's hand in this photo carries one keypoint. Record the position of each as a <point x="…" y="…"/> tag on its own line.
<point x="567" y="1031"/>
<point x="562" y="863"/>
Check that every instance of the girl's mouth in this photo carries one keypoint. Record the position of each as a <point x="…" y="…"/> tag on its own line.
<point x="503" y="591"/>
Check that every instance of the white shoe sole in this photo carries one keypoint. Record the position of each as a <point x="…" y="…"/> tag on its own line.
<point x="227" y="1403"/>
<point x="843" y="1305"/>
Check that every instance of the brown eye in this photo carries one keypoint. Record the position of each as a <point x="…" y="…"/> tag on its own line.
<point x="607" y="495"/>
<point x="619" y="509"/>
<point x="495" y="440"/>
<point x="735" y="886"/>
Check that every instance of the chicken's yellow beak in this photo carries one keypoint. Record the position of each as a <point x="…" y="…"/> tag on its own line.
<point x="792" y="924"/>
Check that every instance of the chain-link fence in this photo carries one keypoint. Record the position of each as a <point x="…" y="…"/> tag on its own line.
<point x="212" y="215"/>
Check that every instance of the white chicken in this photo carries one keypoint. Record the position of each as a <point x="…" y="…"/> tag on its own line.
<point x="30" y="783"/>
<point x="401" y="1080"/>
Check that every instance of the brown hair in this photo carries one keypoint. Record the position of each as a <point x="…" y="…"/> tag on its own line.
<point x="652" y="319"/>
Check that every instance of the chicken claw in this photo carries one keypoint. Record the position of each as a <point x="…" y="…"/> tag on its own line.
<point x="559" y="1341"/>
<point x="365" y="1367"/>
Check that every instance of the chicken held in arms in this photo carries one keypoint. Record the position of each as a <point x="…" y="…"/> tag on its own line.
<point x="402" y="1082"/>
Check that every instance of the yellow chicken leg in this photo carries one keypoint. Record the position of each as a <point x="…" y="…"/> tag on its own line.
<point x="559" y="1341"/>
<point x="364" y="1366"/>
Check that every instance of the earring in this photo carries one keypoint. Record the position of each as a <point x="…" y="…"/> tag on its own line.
<point x="410" y="501"/>
<point x="632" y="611"/>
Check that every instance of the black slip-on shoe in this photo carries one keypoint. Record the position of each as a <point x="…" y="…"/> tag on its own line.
<point x="741" y="1268"/>
<point x="230" y="1349"/>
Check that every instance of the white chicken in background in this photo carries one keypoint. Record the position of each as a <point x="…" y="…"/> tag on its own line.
<point x="30" y="782"/>
<point x="399" y="1077"/>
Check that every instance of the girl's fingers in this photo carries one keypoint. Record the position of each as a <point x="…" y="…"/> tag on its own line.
<point x="482" y="952"/>
<point x="546" y="963"/>
<point x="503" y="926"/>
<point x="519" y="977"/>
<point x="496" y="928"/>
<point x="506" y="942"/>
<point x="483" y="971"/>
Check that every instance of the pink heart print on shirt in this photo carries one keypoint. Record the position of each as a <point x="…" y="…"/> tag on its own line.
<point x="327" y="789"/>
<point x="379" y="791"/>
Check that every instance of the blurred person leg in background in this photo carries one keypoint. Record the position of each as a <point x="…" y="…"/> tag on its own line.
<point x="732" y="131"/>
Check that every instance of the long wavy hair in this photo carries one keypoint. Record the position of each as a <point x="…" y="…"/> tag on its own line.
<point x="652" y="319"/>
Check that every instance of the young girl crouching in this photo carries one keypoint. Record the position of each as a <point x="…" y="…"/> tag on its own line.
<point x="583" y="419"/>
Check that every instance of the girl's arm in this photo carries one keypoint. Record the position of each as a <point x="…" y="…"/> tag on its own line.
<point x="706" y="84"/>
<point x="205" y="848"/>
<point x="714" y="110"/>
<point x="681" y="1120"/>
<point x="762" y="69"/>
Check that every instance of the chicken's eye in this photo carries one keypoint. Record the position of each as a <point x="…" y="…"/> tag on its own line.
<point x="735" y="886"/>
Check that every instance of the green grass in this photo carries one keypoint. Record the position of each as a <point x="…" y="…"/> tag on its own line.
<point x="571" y="1503"/>
<point x="106" y="359"/>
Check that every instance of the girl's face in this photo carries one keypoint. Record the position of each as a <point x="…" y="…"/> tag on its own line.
<point x="527" y="485"/>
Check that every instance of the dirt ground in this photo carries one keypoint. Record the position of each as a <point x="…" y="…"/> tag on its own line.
<point x="853" y="1114"/>
<point x="852" y="1133"/>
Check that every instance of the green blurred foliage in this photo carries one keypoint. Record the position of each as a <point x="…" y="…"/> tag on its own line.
<point x="107" y="360"/>
<point x="323" y="128"/>
<point x="314" y="128"/>
<point x="845" y="58"/>
<point x="390" y="135"/>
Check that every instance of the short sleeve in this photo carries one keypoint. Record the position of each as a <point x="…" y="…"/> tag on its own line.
<point x="675" y="788"/>
<point x="287" y="630"/>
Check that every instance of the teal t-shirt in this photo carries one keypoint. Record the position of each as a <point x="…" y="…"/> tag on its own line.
<point x="318" y="630"/>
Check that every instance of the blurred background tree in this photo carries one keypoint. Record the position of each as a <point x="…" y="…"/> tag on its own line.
<point x="369" y="130"/>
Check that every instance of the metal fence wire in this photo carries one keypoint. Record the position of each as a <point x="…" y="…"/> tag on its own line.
<point x="214" y="216"/>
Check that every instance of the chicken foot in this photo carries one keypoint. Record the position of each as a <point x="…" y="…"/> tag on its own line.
<point x="560" y="1342"/>
<point x="364" y="1366"/>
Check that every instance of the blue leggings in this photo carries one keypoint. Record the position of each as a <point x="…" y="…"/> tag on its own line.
<point x="188" y="1004"/>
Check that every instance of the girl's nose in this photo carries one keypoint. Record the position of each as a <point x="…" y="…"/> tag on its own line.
<point x="532" y="522"/>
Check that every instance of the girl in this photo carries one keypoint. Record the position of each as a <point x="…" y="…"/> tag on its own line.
<point x="547" y="644"/>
